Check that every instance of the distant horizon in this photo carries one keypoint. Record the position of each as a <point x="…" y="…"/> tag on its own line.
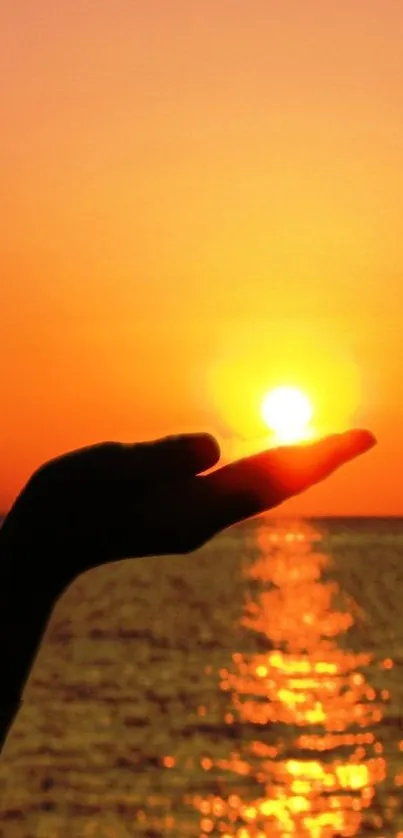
<point x="305" y="516"/>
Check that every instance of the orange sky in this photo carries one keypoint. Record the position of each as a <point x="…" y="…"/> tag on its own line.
<point x="197" y="196"/>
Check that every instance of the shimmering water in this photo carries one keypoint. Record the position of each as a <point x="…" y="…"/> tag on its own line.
<point x="253" y="689"/>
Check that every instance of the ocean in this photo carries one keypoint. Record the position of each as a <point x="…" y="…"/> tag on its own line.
<point x="254" y="688"/>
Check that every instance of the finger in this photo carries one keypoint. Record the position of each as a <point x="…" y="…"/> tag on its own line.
<point x="174" y="457"/>
<point x="121" y="465"/>
<point x="259" y="483"/>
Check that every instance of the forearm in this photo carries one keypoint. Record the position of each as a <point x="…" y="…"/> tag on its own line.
<point x="25" y="608"/>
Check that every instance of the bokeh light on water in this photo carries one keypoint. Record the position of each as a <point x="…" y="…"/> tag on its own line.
<point x="310" y="712"/>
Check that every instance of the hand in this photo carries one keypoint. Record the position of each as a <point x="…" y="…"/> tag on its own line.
<point x="113" y="500"/>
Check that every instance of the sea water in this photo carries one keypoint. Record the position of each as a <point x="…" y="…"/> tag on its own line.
<point x="254" y="688"/>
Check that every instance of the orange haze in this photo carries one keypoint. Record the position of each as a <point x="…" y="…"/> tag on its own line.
<point x="201" y="200"/>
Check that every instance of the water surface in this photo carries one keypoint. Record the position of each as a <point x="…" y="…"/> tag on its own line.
<point x="252" y="689"/>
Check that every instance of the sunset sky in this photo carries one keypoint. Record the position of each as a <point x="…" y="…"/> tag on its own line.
<point x="200" y="201"/>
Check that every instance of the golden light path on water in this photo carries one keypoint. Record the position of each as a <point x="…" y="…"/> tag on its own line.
<point x="318" y="761"/>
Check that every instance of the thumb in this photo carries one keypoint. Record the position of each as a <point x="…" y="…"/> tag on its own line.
<point x="173" y="457"/>
<point x="120" y="465"/>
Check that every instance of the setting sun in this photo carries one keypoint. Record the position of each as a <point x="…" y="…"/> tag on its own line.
<point x="287" y="411"/>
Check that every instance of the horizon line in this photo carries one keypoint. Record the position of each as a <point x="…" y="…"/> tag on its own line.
<point x="316" y="515"/>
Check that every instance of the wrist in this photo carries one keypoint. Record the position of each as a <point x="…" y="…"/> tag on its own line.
<point x="30" y="567"/>
<point x="26" y="604"/>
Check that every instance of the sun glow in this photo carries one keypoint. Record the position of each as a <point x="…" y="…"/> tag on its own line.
<point x="287" y="411"/>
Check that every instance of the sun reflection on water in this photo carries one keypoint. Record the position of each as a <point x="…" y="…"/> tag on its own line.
<point x="307" y="714"/>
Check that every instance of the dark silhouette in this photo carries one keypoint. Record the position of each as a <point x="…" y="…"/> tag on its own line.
<point x="113" y="501"/>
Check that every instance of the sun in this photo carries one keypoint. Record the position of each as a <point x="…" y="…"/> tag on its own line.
<point x="287" y="411"/>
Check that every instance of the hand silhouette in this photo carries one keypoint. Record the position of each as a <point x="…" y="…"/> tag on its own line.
<point x="111" y="501"/>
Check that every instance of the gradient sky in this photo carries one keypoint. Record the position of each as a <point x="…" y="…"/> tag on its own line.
<point x="199" y="200"/>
